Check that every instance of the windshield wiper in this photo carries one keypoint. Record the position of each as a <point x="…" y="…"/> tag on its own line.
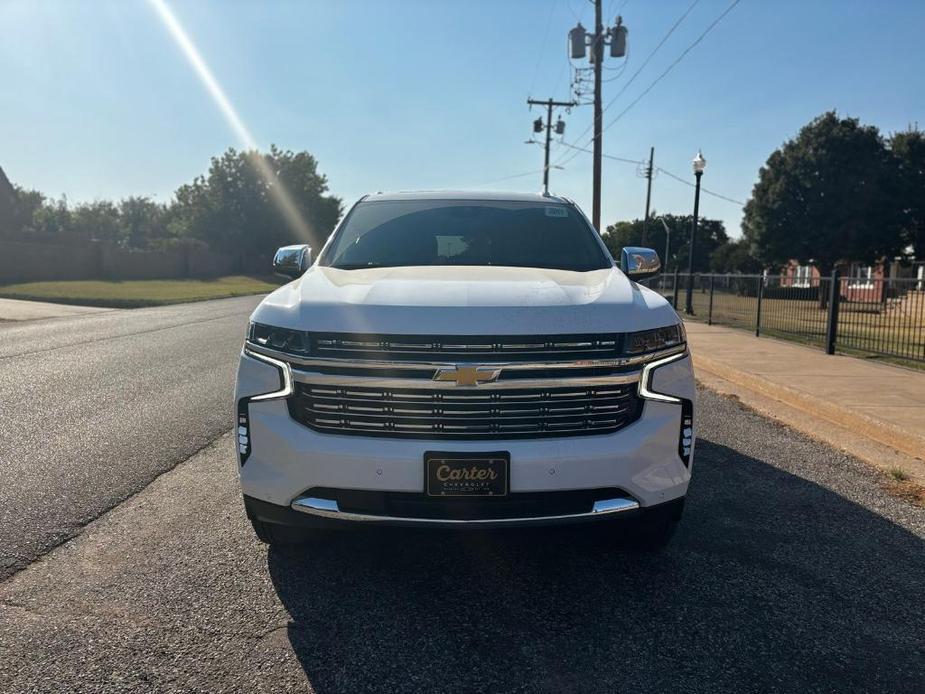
<point x="357" y="266"/>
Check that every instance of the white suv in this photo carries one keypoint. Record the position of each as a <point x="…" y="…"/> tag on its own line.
<point x="464" y="360"/>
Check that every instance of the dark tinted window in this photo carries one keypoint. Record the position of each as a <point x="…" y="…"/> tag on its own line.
<point x="390" y="233"/>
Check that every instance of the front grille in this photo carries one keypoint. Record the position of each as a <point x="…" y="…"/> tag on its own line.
<point x="421" y="506"/>
<point x="465" y="414"/>
<point x="465" y="347"/>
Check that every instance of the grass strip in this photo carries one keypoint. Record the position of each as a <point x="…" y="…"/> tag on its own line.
<point x="139" y="293"/>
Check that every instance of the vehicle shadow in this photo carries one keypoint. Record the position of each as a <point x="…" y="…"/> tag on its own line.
<point x="772" y="583"/>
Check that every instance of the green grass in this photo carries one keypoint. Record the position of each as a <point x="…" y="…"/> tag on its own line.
<point x="898" y="475"/>
<point x="138" y="293"/>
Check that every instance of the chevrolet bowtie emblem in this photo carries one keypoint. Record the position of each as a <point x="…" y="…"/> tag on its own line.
<point x="467" y="375"/>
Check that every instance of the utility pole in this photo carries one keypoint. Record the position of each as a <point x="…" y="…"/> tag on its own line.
<point x="597" y="54"/>
<point x="645" y="221"/>
<point x="578" y="40"/>
<point x="538" y="126"/>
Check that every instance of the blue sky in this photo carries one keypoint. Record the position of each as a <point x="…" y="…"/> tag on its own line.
<point x="98" y="102"/>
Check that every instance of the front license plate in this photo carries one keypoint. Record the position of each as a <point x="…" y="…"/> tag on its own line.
<point x="460" y="474"/>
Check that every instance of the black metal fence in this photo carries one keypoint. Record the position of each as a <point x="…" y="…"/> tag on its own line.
<point x="867" y="317"/>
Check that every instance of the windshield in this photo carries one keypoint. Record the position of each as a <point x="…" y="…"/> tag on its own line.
<point x="389" y="233"/>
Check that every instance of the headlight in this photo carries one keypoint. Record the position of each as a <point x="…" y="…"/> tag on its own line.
<point x="282" y="339"/>
<point x="654" y="340"/>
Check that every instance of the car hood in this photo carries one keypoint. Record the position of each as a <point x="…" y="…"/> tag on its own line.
<point x="464" y="301"/>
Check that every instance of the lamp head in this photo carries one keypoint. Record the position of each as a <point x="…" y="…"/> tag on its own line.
<point x="699" y="163"/>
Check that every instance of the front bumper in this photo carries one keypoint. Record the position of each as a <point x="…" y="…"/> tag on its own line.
<point x="288" y="516"/>
<point x="286" y="459"/>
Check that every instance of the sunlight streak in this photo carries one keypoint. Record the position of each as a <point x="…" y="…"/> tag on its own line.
<point x="277" y="191"/>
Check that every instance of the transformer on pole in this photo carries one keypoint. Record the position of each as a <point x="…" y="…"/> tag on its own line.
<point x="578" y="40"/>
<point x="559" y="128"/>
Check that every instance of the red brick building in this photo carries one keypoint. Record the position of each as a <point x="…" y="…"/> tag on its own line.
<point x="861" y="282"/>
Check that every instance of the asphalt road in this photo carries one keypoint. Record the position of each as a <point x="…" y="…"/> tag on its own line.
<point x="94" y="407"/>
<point x="792" y="571"/>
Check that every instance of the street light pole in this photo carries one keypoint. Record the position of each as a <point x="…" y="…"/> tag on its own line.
<point x="699" y="164"/>
<point x="667" y="239"/>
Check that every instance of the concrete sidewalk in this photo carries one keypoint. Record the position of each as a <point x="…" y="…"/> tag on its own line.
<point x="858" y="398"/>
<point x="17" y="310"/>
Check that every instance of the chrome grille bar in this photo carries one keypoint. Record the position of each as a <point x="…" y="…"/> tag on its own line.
<point x="470" y="413"/>
<point x="317" y="378"/>
<point x="520" y="348"/>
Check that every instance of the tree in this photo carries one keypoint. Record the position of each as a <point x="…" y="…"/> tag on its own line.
<point x="826" y="196"/>
<point x="908" y="148"/>
<point x="97" y="220"/>
<point x="735" y="256"/>
<point x="143" y="221"/>
<point x="248" y="202"/>
<point x="711" y="234"/>
<point x="53" y="217"/>
<point x="28" y="202"/>
<point x="237" y="206"/>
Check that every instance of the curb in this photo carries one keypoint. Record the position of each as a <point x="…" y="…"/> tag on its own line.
<point x="883" y="432"/>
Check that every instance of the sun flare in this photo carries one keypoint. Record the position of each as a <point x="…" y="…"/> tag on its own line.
<point x="246" y="140"/>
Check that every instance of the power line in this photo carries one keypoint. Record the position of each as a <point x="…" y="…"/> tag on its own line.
<point x="660" y="170"/>
<point x="559" y="77"/>
<point x="507" y="178"/>
<point x="676" y="61"/>
<point x="653" y="52"/>
<point x="645" y="62"/>
<point x="702" y="189"/>
<point x="606" y="156"/>
<point x="539" y="60"/>
<point x="568" y="157"/>
<point x="574" y="13"/>
<point x="619" y="70"/>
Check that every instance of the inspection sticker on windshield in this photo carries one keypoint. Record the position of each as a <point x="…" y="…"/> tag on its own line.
<point x="556" y="212"/>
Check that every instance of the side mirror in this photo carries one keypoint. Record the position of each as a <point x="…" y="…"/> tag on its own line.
<point x="639" y="263"/>
<point x="292" y="261"/>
